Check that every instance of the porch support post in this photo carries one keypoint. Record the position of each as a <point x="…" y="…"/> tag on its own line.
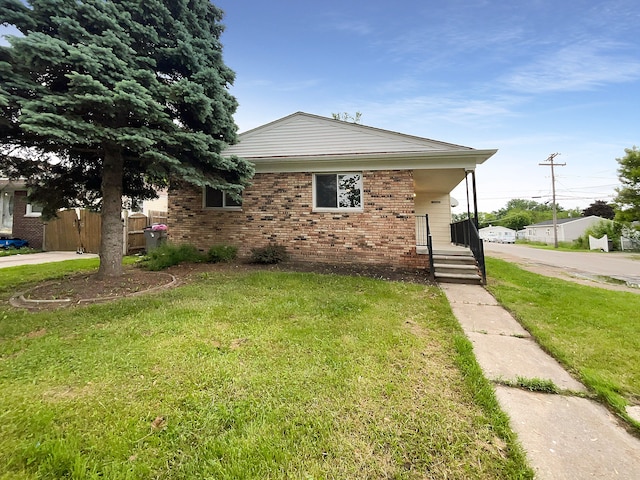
<point x="466" y="181"/>
<point x="475" y="199"/>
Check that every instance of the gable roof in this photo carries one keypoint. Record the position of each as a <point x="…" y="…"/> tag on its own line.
<point x="302" y="138"/>
<point x="493" y="228"/>
<point x="8" y="184"/>
<point x="561" y="221"/>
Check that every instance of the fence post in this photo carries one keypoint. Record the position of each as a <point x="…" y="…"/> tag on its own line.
<point x="125" y="231"/>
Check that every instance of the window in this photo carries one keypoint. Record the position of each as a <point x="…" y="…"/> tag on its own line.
<point x="214" y="198"/>
<point x="33" y="210"/>
<point x="338" y="190"/>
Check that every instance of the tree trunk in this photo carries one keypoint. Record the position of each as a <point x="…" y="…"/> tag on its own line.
<point x="111" y="240"/>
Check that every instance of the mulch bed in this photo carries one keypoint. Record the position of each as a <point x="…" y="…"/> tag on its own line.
<point x="90" y="288"/>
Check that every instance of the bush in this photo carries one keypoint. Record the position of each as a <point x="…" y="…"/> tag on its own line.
<point x="612" y="230"/>
<point x="222" y="253"/>
<point x="168" y="254"/>
<point x="269" y="254"/>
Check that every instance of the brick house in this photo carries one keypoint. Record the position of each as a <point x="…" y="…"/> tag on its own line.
<point x="18" y="218"/>
<point x="330" y="191"/>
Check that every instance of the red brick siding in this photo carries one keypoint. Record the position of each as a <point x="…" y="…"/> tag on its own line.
<point x="278" y="209"/>
<point x="27" y="228"/>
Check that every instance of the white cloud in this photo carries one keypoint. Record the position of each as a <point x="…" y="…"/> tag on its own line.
<point x="357" y="27"/>
<point x="577" y="67"/>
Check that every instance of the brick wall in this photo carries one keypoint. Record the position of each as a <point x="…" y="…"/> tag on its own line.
<point x="278" y="209"/>
<point x="26" y="228"/>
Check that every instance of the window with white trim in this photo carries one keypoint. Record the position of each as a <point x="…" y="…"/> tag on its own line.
<point x="214" y="198"/>
<point x="338" y="191"/>
<point x="33" y="210"/>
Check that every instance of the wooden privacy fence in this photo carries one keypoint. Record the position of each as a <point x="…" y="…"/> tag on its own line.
<point x="80" y="230"/>
<point x="73" y="230"/>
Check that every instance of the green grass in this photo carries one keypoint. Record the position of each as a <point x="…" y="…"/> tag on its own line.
<point x="562" y="246"/>
<point x="592" y="331"/>
<point x="250" y="375"/>
<point x="13" y="279"/>
<point x="17" y="251"/>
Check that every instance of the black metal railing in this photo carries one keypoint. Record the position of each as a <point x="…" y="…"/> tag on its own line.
<point x="423" y="239"/>
<point x="466" y="234"/>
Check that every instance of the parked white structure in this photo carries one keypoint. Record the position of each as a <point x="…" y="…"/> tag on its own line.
<point x="497" y="234"/>
<point x="569" y="229"/>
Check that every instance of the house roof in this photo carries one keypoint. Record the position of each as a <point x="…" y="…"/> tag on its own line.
<point x="497" y="227"/>
<point x="561" y="221"/>
<point x="301" y="140"/>
<point x="8" y="184"/>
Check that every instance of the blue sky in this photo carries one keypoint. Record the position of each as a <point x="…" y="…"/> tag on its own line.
<point x="529" y="78"/>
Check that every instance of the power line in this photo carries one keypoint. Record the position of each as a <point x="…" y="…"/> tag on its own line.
<point x="553" y="188"/>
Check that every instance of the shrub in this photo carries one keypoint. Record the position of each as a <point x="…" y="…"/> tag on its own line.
<point x="222" y="253"/>
<point x="612" y="230"/>
<point x="269" y="254"/>
<point x="168" y="254"/>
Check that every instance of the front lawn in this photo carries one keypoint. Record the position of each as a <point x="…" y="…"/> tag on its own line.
<point x="592" y="331"/>
<point x="250" y="375"/>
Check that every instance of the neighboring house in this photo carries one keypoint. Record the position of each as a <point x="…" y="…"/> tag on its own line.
<point x="497" y="234"/>
<point x="19" y="218"/>
<point x="569" y="229"/>
<point x="330" y="191"/>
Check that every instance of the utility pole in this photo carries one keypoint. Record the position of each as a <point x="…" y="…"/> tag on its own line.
<point x="553" y="190"/>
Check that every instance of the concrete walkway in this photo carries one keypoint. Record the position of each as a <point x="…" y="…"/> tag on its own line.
<point x="44" y="257"/>
<point x="564" y="436"/>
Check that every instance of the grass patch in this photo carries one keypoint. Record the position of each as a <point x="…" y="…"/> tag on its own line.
<point x="13" y="279"/>
<point x="534" y="385"/>
<point x="592" y="331"/>
<point x="251" y="375"/>
<point x="7" y="252"/>
<point x="562" y="246"/>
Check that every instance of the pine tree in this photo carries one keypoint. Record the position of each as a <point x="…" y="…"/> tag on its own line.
<point x="102" y="99"/>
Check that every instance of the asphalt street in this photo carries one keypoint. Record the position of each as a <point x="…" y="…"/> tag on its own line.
<point x="618" y="265"/>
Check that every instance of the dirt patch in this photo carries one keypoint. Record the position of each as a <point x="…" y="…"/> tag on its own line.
<point x="89" y="288"/>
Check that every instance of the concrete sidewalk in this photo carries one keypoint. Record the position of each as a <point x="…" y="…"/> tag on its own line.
<point x="44" y="257"/>
<point x="564" y="436"/>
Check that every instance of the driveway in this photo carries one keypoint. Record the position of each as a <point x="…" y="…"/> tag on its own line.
<point x="585" y="267"/>
<point x="44" y="257"/>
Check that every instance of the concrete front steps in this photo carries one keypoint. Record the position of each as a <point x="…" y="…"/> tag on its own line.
<point x="456" y="265"/>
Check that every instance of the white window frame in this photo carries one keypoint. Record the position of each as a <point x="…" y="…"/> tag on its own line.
<point x="225" y="197"/>
<point x="31" y="213"/>
<point x="316" y="208"/>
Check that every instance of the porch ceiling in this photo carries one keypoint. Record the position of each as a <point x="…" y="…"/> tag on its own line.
<point x="437" y="180"/>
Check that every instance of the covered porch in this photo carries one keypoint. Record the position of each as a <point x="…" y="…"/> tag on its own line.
<point x="455" y="250"/>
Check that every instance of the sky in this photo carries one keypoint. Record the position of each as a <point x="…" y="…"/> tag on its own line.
<point x="529" y="78"/>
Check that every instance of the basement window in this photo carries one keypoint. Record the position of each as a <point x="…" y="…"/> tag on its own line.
<point x="338" y="191"/>
<point x="217" y="199"/>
